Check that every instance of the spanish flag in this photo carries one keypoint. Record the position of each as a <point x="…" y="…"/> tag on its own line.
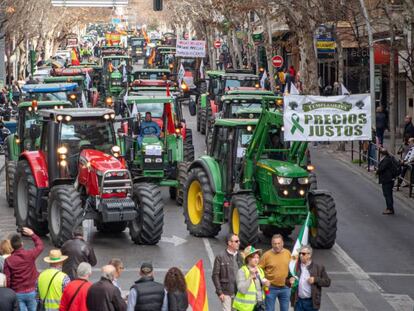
<point x="74" y="58"/>
<point x="196" y="287"/>
<point x="168" y="111"/>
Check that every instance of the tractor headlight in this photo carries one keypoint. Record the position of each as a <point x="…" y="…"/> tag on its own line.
<point x="147" y="160"/>
<point x="303" y="180"/>
<point x="108" y="101"/>
<point x="310" y="167"/>
<point x="72" y="96"/>
<point x="59" y="118"/>
<point x="63" y="163"/>
<point x="302" y="192"/>
<point x="284" y="180"/>
<point x="62" y="150"/>
<point x="116" y="151"/>
<point x="68" y="118"/>
<point x="106" y="116"/>
<point x="279" y="102"/>
<point x="249" y="128"/>
<point x="158" y="160"/>
<point x="184" y="87"/>
<point x="112" y="115"/>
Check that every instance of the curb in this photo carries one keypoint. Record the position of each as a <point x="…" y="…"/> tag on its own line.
<point x="406" y="201"/>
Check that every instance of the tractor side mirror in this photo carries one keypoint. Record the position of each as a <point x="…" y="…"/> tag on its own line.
<point x="34" y="131"/>
<point x="192" y="107"/>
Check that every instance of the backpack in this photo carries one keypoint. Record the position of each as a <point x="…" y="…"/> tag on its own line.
<point x="395" y="168"/>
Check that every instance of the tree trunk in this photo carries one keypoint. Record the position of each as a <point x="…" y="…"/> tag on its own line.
<point x="392" y="91"/>
<point x="340" y="61"/>
<point x="308" y="61"/>
<point x="238" y="53"/>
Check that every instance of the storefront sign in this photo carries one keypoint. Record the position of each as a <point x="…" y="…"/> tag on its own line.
<point x="327" y="118"/>
<point x="190" y="48"/>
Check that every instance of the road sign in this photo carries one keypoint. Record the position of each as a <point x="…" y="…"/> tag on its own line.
<point x="277" y="61"/>
<point x="217" y="44"/>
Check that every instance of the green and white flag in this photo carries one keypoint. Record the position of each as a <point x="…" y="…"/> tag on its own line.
<point x="303" y="239"/>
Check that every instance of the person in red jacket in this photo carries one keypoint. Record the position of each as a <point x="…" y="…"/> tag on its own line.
<point x="74" y="295"/>
<point x="20" y="269"/>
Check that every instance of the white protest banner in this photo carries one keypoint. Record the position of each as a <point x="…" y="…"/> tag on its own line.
<point x="191" y="48"/>
<point x="327" y="118"/>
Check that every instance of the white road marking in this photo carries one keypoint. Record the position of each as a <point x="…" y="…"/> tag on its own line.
<point x="400" y="302"/>
<point x="356" y="271"/>
<point x="346" y="301"/>
<point x="209" y="251"/>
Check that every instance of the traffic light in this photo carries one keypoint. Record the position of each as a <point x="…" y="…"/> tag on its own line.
<point x="158" y="5"/>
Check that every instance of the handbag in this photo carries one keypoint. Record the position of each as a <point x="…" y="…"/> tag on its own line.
<point x="41" y="304"/>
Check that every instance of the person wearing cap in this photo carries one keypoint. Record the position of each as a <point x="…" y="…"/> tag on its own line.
<point x="77" y="250"/>
<point x="20" y="269"/>
<point x="103" y="295"/>
<point x="250" y="282"/>
<point x="52" y="282"/>
<point x="147" y="294"/>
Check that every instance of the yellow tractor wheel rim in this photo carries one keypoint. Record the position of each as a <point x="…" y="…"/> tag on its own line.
<point x="235" y="220"/>
<point x="195" y="204"/>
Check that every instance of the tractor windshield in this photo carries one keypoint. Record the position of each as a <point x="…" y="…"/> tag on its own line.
<point x="235" y="107"/>
<point x="156" y="109"/>
<point x="55" y="96"/>
<point x="189" y="63"/>
<point x="232" y="83"/>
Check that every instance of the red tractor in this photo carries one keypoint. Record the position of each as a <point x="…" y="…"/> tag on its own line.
<point x="78" y="174"/>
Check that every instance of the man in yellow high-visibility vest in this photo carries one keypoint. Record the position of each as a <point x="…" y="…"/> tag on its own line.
<point x="52" y="281"/>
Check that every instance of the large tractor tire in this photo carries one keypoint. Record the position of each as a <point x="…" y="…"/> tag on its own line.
<point x="209" y="119"/>
<point x="244" y="220"/>
<point x="269" y="231"/>
<point x="188" y="152"/>
<point x="189" y="136"/>
<point x="198" y="117"/>
<point x="65" y="213"/>
<point x="312" y="181"/>
<point x="203" y="121"/>
<point x="11" y="167"/>
<point x="25" y="200"/>
<point x="182" y="176"/>
<point x="323" y="235"/>
<point x="198" y="205"/>
<point x="147" y="226"/>
<point x="209" y="140"/>
<point x="111" y="227"/>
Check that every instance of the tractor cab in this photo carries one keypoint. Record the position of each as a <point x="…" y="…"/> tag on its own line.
<point x="136" y="48"/>
<point x="164" y="56"/>
<point x="80" y="91"/>
<point x="246" y="106"/>
<point x="115" y="75"/>
<point x="51" y="92"/>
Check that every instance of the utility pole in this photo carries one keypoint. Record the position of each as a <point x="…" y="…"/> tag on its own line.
<point x="2" y="69"/>
<point x="371" y="60"/>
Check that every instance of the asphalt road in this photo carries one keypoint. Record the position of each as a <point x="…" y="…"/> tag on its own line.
<point x="371" y="266"/>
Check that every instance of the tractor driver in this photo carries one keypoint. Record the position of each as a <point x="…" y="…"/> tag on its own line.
<point x="148" y="127"/>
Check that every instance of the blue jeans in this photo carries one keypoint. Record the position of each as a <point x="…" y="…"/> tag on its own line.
<point x="304" y="305"/>
<point x="282" y="293"/>
<point x="27" y="301"/>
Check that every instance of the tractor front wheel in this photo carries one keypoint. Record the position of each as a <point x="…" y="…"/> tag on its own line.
<point x="65" y="213"/>
<point x="10" y="174"/>
<point x="198" y="205"/>
<point x="146" y="228"/>
<point x="25" y="200"/>
<point x="244" y="220"/>
<point x="323" y="233"/>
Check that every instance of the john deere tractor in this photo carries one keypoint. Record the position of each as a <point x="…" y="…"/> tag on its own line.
<point x="22" y="140"/>
<point x="114" y="76"/>
<point x="251" y="180"/>
<point x="78" y="173"/>
<point x="162" y="160"/>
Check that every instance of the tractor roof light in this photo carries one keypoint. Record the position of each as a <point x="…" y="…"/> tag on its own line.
<point x="177" y="130"/>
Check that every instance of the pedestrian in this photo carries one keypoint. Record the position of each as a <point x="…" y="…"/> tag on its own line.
<point x="275" y="264"/>
<point x="225" y="268"/>
<point x="52" y="281"/>
<point x="103" y="295"/>
<point x="119" y="267"/>
<point x="251" y="283"/>
<point x="77" y="250"/>
<point x="387" y="172"/>
<point x="311" y="277"/>
<point x="381" y="124"/>
<point x="20" y="269"/>
<point x="408" y="129"/>
<point x="408" y="160"/>
<point x="221" y="61"/>
<point x="5" y="251"/>
<point x="146" y="294"/>
<point x="292" y="73"/>
<point x="8" y="299"/>
<point x="74" y="295"/>
<point x="176" y="289"/>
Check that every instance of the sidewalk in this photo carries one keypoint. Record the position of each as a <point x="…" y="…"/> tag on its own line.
<point x="345" y="157"/>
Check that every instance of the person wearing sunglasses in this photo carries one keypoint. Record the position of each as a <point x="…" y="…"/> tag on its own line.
<point x="226" y="265"/>
<point x="311" y="278"/>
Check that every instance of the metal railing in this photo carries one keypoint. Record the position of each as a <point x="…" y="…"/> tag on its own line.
<point x="369" y="153"/>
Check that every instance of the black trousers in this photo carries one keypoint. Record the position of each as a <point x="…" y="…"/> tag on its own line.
<point x="404" y="170"/>
<point x="387" y="191"/>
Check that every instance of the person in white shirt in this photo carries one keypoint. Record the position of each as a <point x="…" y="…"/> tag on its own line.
<point x="408" y="159"/>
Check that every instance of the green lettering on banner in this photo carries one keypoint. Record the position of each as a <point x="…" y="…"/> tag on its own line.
<point x="308" y="117"/>
<point x="348" y="131"/>
<point x="321" y="105"/>
<point x="296" y="125"/>
<point x="318" y="119"/>
<point x="352" y="119"/>
<point x="336" y="119"/>
<point x="362" y="118"/>
<point x="358" y="130"/>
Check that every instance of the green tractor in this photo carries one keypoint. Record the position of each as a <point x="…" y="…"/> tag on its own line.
<point x="22" y="140"/>
<point x="80" y="92"/>
<point x="161" y="160"/>
<point x="252" y="180"/>
<point x="114" y="76"/>
<point x="151" y="74"/>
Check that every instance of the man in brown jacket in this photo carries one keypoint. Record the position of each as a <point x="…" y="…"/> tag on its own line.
<point x="226" y="265"/>
<point x="311" y="278"/>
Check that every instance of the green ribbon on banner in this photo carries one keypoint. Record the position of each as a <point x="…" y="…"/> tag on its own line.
<point x="296" y="125"/>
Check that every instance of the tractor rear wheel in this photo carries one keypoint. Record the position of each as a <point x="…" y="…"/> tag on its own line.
<point x="198" y="118"/>
<point x="198" y="205"/>
<point x="209" y="140"/>
<point x="203" y="121"/>
<point x="65" y="213"/>
<point x="182" y="169"/>
<point x="10" y="174"/>
<point x="269" y="230"/>
<point x="25" y="199"/>
<point x="189" y="136"/>
<point x="209" y="119"/>
<point x="323" y="235"/>
<point x="111" y="227"/>
<point x="244" y="220"/>
<point x="146" y="228"/>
